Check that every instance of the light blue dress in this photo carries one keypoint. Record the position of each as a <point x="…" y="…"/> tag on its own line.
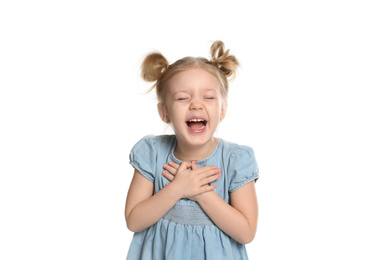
<point x="186" y="232"/>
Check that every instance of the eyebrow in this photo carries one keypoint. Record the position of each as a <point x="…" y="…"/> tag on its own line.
<point x="187" y="92"/>
<point x="180" y="92"/>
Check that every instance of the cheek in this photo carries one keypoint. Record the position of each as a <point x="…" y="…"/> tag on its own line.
<point x="175" y="113"/>
<point x="215" y="111"/>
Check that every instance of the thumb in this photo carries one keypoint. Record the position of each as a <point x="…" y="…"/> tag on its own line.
<point x="184" y="166"/>
<point x="193" y="165"/>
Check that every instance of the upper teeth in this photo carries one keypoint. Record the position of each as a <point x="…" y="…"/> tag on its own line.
<point x="196" y="120"/>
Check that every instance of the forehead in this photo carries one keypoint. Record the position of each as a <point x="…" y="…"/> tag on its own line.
<point x="194" y="79"/>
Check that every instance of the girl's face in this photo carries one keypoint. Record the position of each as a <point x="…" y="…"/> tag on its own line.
<point x="193" y="106"/>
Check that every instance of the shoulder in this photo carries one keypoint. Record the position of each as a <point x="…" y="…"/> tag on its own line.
<point x="155" y="141"/>
<point x="241" y="165"/>
<point x="145" y="153"/>
<point x="233" y="150"/>
<point x="151" y="146"/>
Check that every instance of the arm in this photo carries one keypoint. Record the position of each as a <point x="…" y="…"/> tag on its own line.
<point x="143" y="209"/>
<point x="238" y="219"/>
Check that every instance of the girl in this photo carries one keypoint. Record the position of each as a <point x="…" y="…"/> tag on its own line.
<point x="209" y="208"/>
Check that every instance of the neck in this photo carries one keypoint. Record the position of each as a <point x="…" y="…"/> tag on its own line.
<point x="185" y="152"/>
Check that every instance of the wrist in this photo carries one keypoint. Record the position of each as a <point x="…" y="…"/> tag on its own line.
<point x="202" y="198"/>
<point x="174" y="191"/>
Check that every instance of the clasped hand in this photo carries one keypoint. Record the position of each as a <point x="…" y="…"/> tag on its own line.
<point x="191" y="183"/>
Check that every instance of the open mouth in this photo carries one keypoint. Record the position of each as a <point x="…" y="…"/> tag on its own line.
<point x="196" y="124"/>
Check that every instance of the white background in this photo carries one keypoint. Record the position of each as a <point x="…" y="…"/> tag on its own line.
<point x="312" y="99"/>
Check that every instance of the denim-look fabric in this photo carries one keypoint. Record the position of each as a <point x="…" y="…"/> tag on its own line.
<point x="186" y="232"/>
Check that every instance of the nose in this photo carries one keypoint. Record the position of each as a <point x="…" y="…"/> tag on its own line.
<point x="196" y="104"/>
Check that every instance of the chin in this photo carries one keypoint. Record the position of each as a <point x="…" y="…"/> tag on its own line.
<point x="197" y="139"/>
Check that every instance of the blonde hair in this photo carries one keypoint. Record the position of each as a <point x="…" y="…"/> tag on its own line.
<point x="155" y="68"/>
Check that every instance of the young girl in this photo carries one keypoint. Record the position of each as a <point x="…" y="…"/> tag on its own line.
<point x="192" y="195"/>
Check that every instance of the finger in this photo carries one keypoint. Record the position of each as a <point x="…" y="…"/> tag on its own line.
<point x="208" y="171"/>
<point x="205" y="169"/>
<point x="194" y="166"/>
<point x="169" y="168"/>
<point x="207" y="188"/>
<point x="174" y="165"/>
<point x="210" y="179"/>
<point x="184" y="166"/>
<point x="167" y="175"/>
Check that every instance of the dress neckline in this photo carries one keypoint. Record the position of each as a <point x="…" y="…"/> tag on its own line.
<point x="197" y="162"/>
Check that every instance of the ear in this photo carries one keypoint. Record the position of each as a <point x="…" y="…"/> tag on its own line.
<point x="162" y="112"/>
<point x="223" y="111"/>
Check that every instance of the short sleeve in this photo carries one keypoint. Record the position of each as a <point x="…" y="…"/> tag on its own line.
<point x="143" y="156"/>
<point x="242" y="167"/>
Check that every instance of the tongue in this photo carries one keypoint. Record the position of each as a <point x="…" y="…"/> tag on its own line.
<point x="196" y="125"/>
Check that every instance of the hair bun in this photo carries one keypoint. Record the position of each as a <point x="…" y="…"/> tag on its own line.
<point x="154" y="66"/>
<point x="220" y="57"/>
